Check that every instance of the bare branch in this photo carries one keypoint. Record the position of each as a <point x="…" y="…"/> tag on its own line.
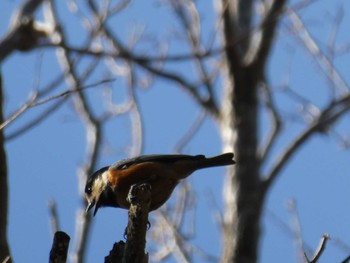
<point x="34" y="122"/>
<point x="323" y="61"/>
<point x="268" y="27"/>
<point x="177" y="240"/>
<point x="53" y="215"/>
<point x="286" y="228"/>
<point x="189" y="18"/>
<point x="276" y="124"/>
<point x="59" y="249"/>
<point x="248" y="38"/>
<point x="34" y="101"/>
<point x="140" y="200"/>
<point x="346" y="260"/>
<point x="93" y="137"/>
<point x="296" y="229"/>
<point x="25" y="32"/>
<point x="319" y="251"/>
<point x="133" y="250"/>
<point x="99" y="52"/>
<point x="160" y="72"/>
<point x="70" y="91"/>
<point x="197" y="123"/>
<point x="136" y="118"/>
<point x="327" y="117"/>
<point x="177" y="244"/>
<point x="19" y="112"/>
<point x="93" y="133"/>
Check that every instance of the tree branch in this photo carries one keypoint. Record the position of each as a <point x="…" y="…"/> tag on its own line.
<point x="319" y="251"/>
<point x="323" y="61"/>
<point x="59" y="250"/>
<point x="296" y="228"/>
<point x="269" y="28"/>
<point x="34" y="101"/>
<point x="160" y="72"/>
<point x="326" y="118"/>
<point x="140" y="201"/>
<point x="276" y="124"/>
<point x="133" y="250"/>
<point x="191" y="132"/>
<point x="92" y="126"/>
<point x="53" y="216"/>
<point x="189" y="18"/>
<point x="25" y="31"/>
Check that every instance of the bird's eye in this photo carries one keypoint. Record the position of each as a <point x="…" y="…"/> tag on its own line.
<point x="88" y="190"/>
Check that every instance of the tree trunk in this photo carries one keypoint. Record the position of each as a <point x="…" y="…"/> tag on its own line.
<point x="242" y="193"/>
<point x="246" y="53"/>
<point x="4" y="247"/>
<point x="239" y="127"/>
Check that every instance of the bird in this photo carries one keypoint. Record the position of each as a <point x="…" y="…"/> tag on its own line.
<point x="110" y="185"/>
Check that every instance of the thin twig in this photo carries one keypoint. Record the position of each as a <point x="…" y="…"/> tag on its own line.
<point x="70" y="91"/>
<point x="33" y="101"/>
<point x="23" y="35"/>
<point x="327" y="117"/>
<point x="310" y="44"/>
<point x="93" y="131"/>
<point x="190" y="133"/>
<point x="19" y="112"/>
<point x="346" y="260"/>
<point x="296" y="228"/>
<point x="34" y="122"/>
<point x="319" y="250"/>
<point x="53" y="215"/>
<point x="135" y="116"/>
<point x="276" y="124"/>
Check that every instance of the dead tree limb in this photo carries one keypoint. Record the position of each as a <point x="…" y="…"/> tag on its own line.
<point x="25" y="31"/>
<point x="319" y="251"/>
<point x="59" y="250"/>
<point x="134" y="248"/>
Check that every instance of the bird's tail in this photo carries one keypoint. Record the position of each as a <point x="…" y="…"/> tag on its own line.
<point x="219" y="160"/>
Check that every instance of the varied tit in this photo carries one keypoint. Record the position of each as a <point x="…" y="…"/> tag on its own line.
<point x="110" y="185"/>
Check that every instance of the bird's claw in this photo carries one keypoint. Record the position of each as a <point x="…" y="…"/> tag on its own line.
<point x="134" y="190"/>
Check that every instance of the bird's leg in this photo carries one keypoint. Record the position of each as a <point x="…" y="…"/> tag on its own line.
<point x="140" y="200"/>
<point x="125" y="235"/>
<point x="135" y="189"/>
<point x="143" y="186"/>
<point x="136" y="195"/>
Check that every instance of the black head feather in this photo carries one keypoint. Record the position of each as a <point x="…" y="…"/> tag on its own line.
<point x="92" y="178"/>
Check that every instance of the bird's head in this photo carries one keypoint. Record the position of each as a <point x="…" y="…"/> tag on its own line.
<point x="97" y="190"/>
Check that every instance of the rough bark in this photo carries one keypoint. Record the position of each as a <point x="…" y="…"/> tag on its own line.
<point x="59" y="249"/>
<point x="134" y="249"/>
<point x="243" y="195"/>
<point x="246" y="53"/>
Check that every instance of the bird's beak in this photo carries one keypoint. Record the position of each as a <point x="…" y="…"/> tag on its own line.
<point x="96" y="208"/>
<point x="90" y="205"/>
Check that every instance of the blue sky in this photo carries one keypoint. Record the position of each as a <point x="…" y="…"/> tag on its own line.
<point x="44" y="161"/>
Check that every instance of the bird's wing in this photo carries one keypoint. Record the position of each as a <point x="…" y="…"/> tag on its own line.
<point x="165" y="158"/>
